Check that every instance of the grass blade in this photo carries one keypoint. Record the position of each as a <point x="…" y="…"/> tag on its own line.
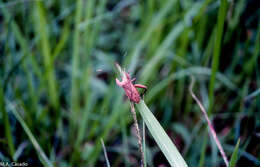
<point x="203" y="152"/>
<point x="138" y="135"/>
<point x="156" y="21"/>
<point x="75" y="62"/>
<point x="234" y="155"/>
<point x="251" y="64"/>
<point x="186" y="72"/>
<point x="7" y="130"/>
<point x="162" y="139"/>
<point x="42" y="31"/>
<point x="45" y="161"/>
<point x="216" y="53"/>
<point x="149" y="68"/>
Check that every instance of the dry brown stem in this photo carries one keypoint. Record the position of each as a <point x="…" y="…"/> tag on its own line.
<point x="138" y="135"/>
<point x="211" y="128"/>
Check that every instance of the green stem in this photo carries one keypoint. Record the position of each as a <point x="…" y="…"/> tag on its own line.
<point x="217" y="47"/>
<point x="75" y="63"/>
<point x="8" y="132"/>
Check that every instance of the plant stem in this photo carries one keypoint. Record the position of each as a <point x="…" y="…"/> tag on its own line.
<point x="137" y="133"/>
<point x="217" y="51"/>
<point x="7" y="126"/>
<point x="211" y="128"/>
<point x="105" y="152"/>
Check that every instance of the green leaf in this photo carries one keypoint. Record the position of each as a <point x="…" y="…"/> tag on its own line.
<point x="234" y="156"/>
<point x="162" y="139"/>
<point x="7" y="130"/>
<point x="217" y="48"/>
<point x="41" y="28"/>
<point x="42" y="156"/>
<point x="203" y="152"/>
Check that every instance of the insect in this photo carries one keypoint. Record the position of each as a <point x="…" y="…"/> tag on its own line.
<point x="130" y="88"/>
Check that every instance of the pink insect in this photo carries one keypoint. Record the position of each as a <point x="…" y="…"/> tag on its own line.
<point x="130" y="88"/>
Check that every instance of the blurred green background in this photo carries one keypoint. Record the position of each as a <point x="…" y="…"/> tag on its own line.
<point x="57" y="79"/>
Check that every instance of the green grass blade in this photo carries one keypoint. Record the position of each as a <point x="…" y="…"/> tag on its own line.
<point x="186" y="72"/>
<point x="251" y="64"/>
<point x="150" y="67"/>
<point x="125" y="142"/>
<point x="75" y="62"/>
<point x="42" y="31"/>
<point x="118" y="110"/>
<point x="44" y="159"/>
<point x="61" y="44"/>
<point x="217" y="47"/>
<point x="234" y="156"/>
<point x="203" y="152"/>
<point x="156" y="21"/>
<point x="7" y="130"/>
<point x="88" y="33"/>
<point x="162" y="139"/>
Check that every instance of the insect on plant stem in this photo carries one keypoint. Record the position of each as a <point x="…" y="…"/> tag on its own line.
<point x="134" y="97"/>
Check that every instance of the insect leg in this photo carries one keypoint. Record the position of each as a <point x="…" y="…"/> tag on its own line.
<point x="141" y="86"/>
<point x="133" y="79"/>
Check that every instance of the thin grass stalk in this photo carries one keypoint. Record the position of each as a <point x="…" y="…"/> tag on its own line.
<point x="144" y="148"/>
<point x="203" y="152"/>
<point x="234" y="156"/>
<point x="118" y="110"/>
<point x="217" y="47"/>
<point x="211" y="128"/>
<point x="42" y="31"/>
<point x="75" y="78"/>
<point x="125" y="142"/>
<point x="138" y="135"/>
<point x="75" y="62"/>
<point x="42" y="156"/>
<point x="105" y="152"/>
<point x="7" y="130"/>
<point x="252" y="63"/>
<point x="156" y="21"/>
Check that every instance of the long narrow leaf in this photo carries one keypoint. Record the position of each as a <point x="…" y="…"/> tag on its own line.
<point x="217" y="49"/>
<point x="45" y="161"/>
<point x="7" y="130"/>
<point x="162" y="139"/>
<point x="234" y="155"/>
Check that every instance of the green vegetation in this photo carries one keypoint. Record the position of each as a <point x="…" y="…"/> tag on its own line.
<point x="59" y="99"/>
<point x="162" y="139"/>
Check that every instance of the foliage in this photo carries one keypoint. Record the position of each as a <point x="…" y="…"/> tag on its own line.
<point x="58" y="96"/>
